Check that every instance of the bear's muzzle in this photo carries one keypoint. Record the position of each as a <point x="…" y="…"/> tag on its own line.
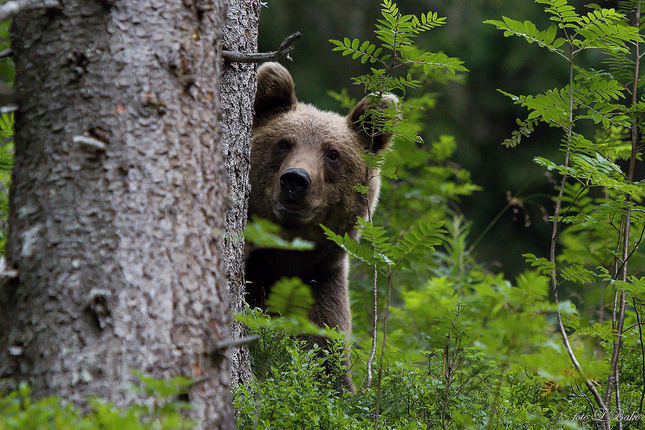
<point x="294" y="186"/>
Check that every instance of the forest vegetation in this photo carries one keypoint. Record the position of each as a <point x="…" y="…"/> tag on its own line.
<point x="500" y="282"/>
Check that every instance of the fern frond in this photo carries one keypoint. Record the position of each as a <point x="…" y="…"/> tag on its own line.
<point x="594" y="171"/>
<point x="598" y="17"/>
<point x="597" y="84"/>
<point x="6" y="153"/>
<point x="378" y="81"/>
<point x="542" y="265"/>
<point x="366" y="51"/>
<point x="525" y="129"/>
<point x="552" y="107"/>
<point x="627" y="6"/>
<point x="6" y="160"/>
<point x="394" y="30"/>
<point x="620" y="66"/>
<point x="6" y="124"/>
<point x="634" y="286"/>
<point x="592" y="92"/>
<point x="546" y="39"/>
<point x="614" y="143"/>
<point x="578" y="274"/>
<point x="360" y="251"/>
<point x="575" y="197"/>
<point x="432" y="61"/>
<point x="605" y="29"/>
<point x="427" y="22"/>
<point x="600" y="331"/>
<point x="290" y="297"/>
<point x="597" y="92"/>
<point x="389" y="9"/>
<point x="561" y="12"/>
<point x="607" y="114"/>
<point x="417" y="242"/>
<point x="377" y="236"/>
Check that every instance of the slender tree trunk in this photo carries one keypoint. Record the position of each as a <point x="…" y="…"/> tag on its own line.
<point x="238" y="93"/>
<point x="117" y="202"/>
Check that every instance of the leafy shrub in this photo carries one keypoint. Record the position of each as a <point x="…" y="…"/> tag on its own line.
<point x="18" y="411"/>
<point x="297" y="392"/>
<point x="461" y="346"/>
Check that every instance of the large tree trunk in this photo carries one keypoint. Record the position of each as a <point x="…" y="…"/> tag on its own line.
<point x="119" y="248"/>
<point x="238" y="93"/>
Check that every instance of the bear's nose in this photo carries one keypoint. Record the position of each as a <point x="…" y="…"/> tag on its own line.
<point x="295" y="184"/>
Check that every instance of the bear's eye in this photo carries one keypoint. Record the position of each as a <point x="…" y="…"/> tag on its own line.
<point x="283" y="145"/>
<point x="333" y="155"/>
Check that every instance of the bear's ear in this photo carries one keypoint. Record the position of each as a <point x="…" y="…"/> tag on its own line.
<point x="275" y="91"/>
<point x="387" y="105"/>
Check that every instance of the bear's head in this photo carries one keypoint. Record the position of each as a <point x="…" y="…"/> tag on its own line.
<point x="306" y="163"/>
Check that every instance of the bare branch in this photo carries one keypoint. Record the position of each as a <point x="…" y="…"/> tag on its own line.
<point x="383" y="345"/>
<point x="370" y="359"/>
<point x="225" y="344"/>
<point x="282" y="53"/>
<point x="11" y="8"/>
<point x="640" y="334"/>
<point x="6" y="53"/>
<point x="614" y="378"/>
<point x="638" y="242"/>
<point x="6" y="273"/>
<point x="15" y="351"/>
<point x="633" y="325"/>
<point x="554" y="238"/>
<point x="89" y="142"/>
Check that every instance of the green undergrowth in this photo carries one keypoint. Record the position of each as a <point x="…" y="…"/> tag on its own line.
<point x="465" y="346"/>
<point x="159" y="408"/>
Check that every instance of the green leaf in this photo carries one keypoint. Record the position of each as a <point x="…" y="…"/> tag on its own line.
<point x="561" y="12"/>
<point x="578" y="274"/>
<point x="416" y="243"/>
<point x="265" y="234"/>
<point x="360" y="251"/>
<point x="528" y="31"/>
<point x="290" y="297"/>
<point x="607" y="29"/>
<point x="543" y="266"/>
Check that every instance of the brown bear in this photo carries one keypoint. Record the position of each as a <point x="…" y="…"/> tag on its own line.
<point x="305" y="165"/>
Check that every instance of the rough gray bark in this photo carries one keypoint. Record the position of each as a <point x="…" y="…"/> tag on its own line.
<point x="119" y="250"/>
<point x="238" y="92"/>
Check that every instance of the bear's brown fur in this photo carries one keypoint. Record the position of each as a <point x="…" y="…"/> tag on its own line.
<point x="305" y="164"/>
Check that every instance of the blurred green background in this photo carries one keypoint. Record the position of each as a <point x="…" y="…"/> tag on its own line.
<point x="472" y="110"/>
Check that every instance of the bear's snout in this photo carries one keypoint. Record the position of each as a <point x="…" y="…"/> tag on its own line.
<point x="294" y="185"/>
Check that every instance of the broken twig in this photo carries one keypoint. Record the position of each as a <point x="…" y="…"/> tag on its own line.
<point x="89" y="142"/>
<point x="6" y="273"/>
<point x="225" y="344"/>
<point x="257" y="57"/>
